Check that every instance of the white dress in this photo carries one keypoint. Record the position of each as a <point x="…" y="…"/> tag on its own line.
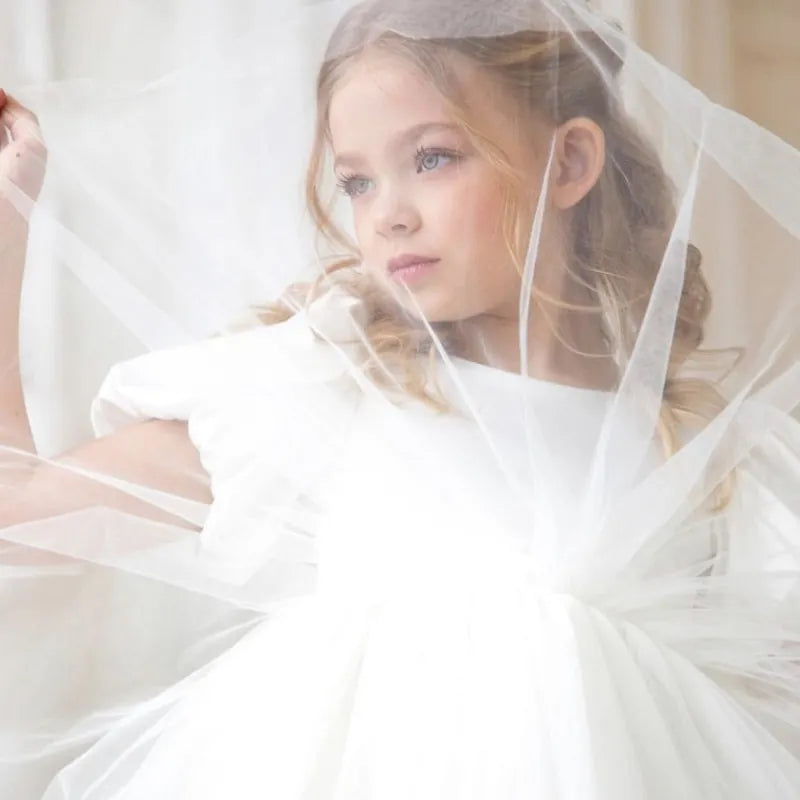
<point x="432" y="636"/>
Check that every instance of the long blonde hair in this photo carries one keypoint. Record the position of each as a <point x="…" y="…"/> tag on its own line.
<point x="619" y="230"/>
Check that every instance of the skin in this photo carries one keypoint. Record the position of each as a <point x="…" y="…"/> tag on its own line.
<point x="32" y="489"/>
<point x="22" y="164"/>
<point x="446" y="202"/>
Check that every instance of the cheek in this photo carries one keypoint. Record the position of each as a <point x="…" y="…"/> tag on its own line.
<point x="484" y="216"/>
<point x="366" y="238"/>
<point x="477" y="216"/>
<point x="359" y="225"/>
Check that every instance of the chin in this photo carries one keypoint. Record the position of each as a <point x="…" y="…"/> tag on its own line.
<point x="431" y="303"/>
<point x="420" y="307"/>
<point x="439" y="313"/>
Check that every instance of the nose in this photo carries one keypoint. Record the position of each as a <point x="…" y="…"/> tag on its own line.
<point x="395" y="215"/>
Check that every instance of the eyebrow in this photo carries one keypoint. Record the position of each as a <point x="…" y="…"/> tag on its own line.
<point x="408" y="135"/>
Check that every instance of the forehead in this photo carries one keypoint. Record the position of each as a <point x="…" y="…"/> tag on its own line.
<point x="382" y="93"/>
<point x="382" y="89"/>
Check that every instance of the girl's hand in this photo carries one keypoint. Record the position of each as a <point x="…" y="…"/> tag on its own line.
<point x="23" y="155"/>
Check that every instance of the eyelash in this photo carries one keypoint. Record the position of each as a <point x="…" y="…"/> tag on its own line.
<point x="345" y="182"/>
<point x="424" y="152"/>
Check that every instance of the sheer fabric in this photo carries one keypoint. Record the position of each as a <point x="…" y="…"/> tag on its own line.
<point x="366" y="554"/>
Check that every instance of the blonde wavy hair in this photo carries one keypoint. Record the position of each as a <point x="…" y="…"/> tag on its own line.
<point x="619" y="230"/>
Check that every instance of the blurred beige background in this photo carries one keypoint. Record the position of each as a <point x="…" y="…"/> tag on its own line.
<point x="742" y="53"/>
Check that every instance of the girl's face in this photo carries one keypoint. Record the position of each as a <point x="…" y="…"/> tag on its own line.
<point x="421" y="193"/>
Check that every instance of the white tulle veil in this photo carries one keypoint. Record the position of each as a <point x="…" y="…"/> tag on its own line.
<point x="174" y="209"/>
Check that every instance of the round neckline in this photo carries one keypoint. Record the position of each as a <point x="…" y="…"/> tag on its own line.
<point x="508" y="376"/>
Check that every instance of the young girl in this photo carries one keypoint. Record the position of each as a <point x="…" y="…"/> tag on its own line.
<point x="471" y="515"/>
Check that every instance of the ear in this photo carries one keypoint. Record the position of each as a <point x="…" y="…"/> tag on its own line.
<point x="578" y="159"/>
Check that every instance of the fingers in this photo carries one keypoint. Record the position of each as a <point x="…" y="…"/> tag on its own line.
<point x="20" y="121"/>
<point x="3" y="132"/>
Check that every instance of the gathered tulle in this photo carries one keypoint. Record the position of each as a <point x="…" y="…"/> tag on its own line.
<point x="457" y="647"/>
<point x="505" y="584"/>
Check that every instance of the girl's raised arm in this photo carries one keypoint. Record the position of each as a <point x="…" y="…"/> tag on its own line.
<point x="22" y="164"/>
<point x="154" y="455"/>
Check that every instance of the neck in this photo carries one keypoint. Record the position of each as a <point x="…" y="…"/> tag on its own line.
<point x="563" y="346"/>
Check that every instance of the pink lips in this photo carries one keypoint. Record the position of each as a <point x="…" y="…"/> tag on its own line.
<point x="410" y="266"/>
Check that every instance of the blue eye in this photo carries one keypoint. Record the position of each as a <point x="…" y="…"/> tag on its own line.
<point x="353" y="185"/>
<point x="428" y="159"/>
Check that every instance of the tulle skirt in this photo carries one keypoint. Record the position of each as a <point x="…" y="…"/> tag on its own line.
<point x="511" y="695"/>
